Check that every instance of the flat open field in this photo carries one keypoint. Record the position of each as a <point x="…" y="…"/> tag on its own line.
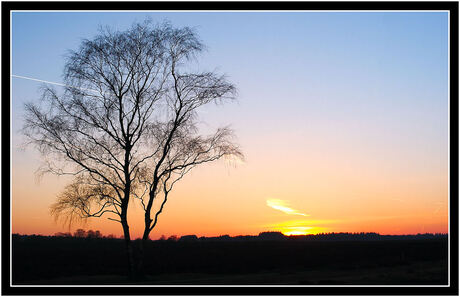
<point x="51" y="260"/>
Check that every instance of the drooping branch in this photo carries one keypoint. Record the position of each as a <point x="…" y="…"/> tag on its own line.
<point x="82" y="200"/>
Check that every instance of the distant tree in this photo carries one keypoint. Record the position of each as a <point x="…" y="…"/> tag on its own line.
<point x="63" y="234"/>
<point x="188" y="238"/>
<point x="125" y="125"/>
<point x="93" y="234"/>
<point x="272" y="235"/>
<point x="173" y="238"/>
<point x="80" y="233"/>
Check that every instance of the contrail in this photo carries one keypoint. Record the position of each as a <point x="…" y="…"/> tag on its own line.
<point x="44" y="81"/>
<point x="50" y="82"/>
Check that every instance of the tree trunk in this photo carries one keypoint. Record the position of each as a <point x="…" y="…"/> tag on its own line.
<point x="147" y="219"/>
<point x="141" y="258"/>
<point x="129" y="251"/>
<point x="142" y="243"/>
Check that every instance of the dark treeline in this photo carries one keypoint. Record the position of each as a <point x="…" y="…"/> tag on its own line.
<point x="315" y="237"/>
<point x="81" y="233"/>
<point x="270" y="235"/>
<point x="41" y="258"/>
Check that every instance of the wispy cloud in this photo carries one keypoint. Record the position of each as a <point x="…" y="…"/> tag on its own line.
<point x="283" y="206"/>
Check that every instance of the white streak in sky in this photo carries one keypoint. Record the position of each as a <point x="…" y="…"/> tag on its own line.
<point x="50" y="82"/>
<point x="281" y="205"/>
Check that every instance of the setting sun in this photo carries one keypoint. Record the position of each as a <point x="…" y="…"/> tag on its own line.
<point x="299" y="231"/>
<point x="300" y="227"/>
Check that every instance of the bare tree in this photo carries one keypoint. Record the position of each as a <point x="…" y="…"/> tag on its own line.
<point x="125" y="125"/>
<point x="175" y="143"/>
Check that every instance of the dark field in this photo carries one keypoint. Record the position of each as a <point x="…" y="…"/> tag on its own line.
<point x="60" y="260"/>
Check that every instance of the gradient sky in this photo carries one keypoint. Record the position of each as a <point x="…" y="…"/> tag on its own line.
<point x="342" y="117"/>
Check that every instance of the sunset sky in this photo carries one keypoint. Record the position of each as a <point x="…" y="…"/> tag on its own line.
<point x="342" y="117"/>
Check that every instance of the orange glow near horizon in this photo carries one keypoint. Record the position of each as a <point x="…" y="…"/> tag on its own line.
<point x="221" y="207"/>
<point x="228" y="203"/>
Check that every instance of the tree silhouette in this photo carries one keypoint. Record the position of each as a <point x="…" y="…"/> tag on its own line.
<point x="125" y="124"/>
<point x="80" y="233"/>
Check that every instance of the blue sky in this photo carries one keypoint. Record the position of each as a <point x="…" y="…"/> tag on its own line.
<point x="387" y="71"/>
<point x="311" y="61"/>
<point x="370" y="88"/>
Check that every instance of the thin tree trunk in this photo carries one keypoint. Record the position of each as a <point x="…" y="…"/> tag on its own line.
<point x="124" y="213"/>
<point x="141" y="259"/>
<point x="147" y="219"/>
<point x="129" y="251"/>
